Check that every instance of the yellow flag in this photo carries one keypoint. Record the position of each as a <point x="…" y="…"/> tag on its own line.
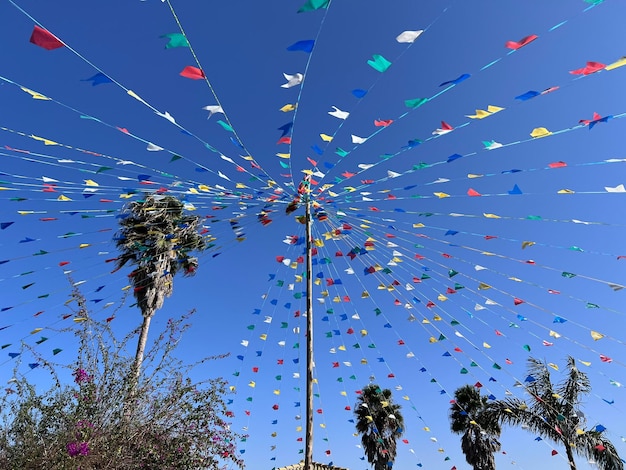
<point x="45" y="141"/>
<point x="619" y="63"/>
<point x="539" y="132"/>
<point x="34" y="94"/>
<point x="596" y="336"/>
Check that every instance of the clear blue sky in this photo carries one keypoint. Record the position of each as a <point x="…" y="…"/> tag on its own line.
<point x="517" y="246"/>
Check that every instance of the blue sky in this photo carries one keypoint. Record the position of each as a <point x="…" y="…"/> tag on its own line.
<point x="532" y="228"/>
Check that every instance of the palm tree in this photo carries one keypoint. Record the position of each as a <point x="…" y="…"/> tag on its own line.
<point x="380" y="424"/>
<point x="157" y="238"/>
<point x="469" y="416"/>
<point x="554" y="413"/>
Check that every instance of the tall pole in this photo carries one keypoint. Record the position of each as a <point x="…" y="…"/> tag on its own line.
<point x="308" y="455"/>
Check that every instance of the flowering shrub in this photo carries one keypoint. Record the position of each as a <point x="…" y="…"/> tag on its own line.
<point x="100" y="421"/>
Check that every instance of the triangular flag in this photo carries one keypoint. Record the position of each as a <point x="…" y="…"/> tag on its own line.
<point x="192" y="72"/>
<point x="43" y="38"/>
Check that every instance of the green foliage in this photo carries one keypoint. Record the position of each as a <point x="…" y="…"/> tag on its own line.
<point x="380" y="423"/>
<point x="470" y="417"/>
<point x="171" y="423"/>
<point x="157" y="237"/>
<point x="553" y="412"/>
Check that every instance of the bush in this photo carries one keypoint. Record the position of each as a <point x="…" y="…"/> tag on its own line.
<point x="100" y="422"/>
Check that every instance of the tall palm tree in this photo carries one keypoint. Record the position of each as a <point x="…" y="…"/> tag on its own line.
<point x="553" y="412"/>
<point x="480" y="430"/>
<point x="380" y="424"/>
<point x="157" y="237"/>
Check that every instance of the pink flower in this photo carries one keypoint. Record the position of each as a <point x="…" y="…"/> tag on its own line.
<point x="77" y="448"/>
<point x="81" y="376"/>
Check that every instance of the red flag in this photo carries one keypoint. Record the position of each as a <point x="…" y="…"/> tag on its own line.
<point x="521" y="43"/>
<point x="591" y="67"/>
<point x="45" y="39"/>
<point x="192" y="72"/>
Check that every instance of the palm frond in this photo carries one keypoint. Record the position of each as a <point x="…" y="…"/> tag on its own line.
<point x="380" y="423"/>
<point x="595" y="447"/>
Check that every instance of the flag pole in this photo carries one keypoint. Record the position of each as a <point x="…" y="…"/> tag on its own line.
<point x="308" y="456"/>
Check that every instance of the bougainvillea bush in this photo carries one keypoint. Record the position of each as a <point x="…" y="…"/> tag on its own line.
<point x="97" y="420"/>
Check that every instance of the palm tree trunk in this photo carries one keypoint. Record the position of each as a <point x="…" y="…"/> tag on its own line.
<point x="135" y="370"/>
<point x="570" y="456"/>
<point x="141" y="347"/>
